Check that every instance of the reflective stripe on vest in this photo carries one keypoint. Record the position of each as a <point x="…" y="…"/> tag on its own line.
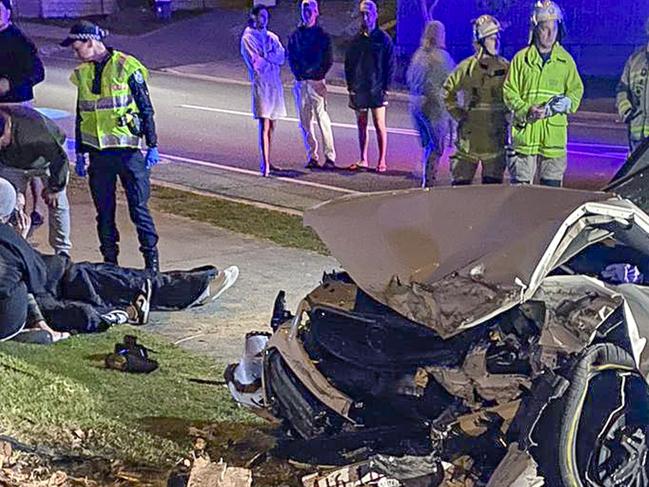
<point x="101" y="114"/>
<point x="120" y="101"/>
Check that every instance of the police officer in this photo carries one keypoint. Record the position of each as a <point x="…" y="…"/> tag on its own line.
<point x="542" y="87"/>
<point x="114" y="112"/>
<point x="482" y="117"/>
<point x="633" y="95"/>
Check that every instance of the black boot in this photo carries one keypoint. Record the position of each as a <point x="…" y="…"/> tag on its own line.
<point x="152" y="261"/>
<point x="491" y="180"/>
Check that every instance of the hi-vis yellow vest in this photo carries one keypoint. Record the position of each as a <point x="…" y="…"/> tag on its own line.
<point x="101" y="113"/>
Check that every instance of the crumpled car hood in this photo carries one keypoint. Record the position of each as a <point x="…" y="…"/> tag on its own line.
<point x="446" y="257"/>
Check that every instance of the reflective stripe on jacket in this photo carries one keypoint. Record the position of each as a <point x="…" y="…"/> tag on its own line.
<point x="532" y="82"/>
<point x="102" y="115"/>
<point x="632" y="98"/>
<point x="480" y="111"/>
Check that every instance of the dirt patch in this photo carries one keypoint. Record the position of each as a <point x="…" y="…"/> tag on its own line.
<point x="245" y="445"/>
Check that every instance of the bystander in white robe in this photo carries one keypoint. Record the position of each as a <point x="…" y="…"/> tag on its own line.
<point x="264" y="55"/>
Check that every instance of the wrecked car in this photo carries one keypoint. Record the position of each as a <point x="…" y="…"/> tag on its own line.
<point x="484" y="335"/>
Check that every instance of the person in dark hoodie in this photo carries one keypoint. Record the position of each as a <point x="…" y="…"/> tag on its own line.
<point x="20" y="67"/>
<point x="20" y="70"/>
<point x="20" y="271"/>
<point x="310" y="55"/>
<point x="38" y="290"/>
<point x="369" y="67"/>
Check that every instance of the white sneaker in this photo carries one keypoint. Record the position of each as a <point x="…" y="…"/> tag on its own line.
<point x="223" y="281"/>
<point x="115" y="317"/>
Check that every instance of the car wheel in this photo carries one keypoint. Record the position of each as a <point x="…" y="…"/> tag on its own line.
<point x="597" y="434"/>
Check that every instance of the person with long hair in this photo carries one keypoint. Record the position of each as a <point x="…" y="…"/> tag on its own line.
<point x="429" y="68"/>
<point x="264" y="55"/>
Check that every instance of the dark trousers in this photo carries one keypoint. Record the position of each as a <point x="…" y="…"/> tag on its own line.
<point x="13" y="312"/>
<point x="129" y="165"/>
<point x="86" y="291"/>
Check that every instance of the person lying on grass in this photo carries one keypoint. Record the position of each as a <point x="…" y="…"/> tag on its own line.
<point x="38" y="290"/>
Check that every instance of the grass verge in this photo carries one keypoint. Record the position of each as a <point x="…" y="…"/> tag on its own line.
<point x="61" y="396"/>
<point x="278" y="227"/>
<point x="281" y="228"/>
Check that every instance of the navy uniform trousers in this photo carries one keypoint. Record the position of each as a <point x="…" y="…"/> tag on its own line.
<point x="129" y="166"/>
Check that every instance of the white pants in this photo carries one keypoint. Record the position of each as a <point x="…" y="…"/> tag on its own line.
<point x="311" y="106"/>
<point x="58" y="218"/>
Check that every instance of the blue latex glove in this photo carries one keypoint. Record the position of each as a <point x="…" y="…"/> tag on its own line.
<point x="622" y="274"/>
<point x="560" y="104"/>
<point x="80" y="166"/>
<point x="152" y="157"/>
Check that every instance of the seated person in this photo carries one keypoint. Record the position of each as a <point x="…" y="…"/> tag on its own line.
<point x="39" y="289"/>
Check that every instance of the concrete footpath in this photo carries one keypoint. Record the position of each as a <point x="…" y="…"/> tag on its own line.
<point x="217" y="329"/>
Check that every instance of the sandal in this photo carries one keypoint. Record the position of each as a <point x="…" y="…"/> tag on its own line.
<point x="358" y="166"/>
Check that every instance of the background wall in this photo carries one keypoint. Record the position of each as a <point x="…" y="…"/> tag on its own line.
<point x="601" y="33"/>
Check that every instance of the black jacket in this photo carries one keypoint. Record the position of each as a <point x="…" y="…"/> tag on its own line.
<point x="19" y="263"/>
<point x="140" y="92"/>
<point x="310" y="53"/>
<point x="20" y="64"/>
<point x="369" y="63"/>
<point x="36" y="143"/>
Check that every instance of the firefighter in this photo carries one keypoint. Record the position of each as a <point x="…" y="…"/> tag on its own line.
<point x="114" y="112"/>
<point x="482" y="116"/>
<point x="542" y="87"/>
<point x="633" y="95"/>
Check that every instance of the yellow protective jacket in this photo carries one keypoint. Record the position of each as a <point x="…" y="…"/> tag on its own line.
<point x="482" y="113"/>
<point x="103" y="116"/>
<point x="632" y="98"/>
<point x="531" y="82"/>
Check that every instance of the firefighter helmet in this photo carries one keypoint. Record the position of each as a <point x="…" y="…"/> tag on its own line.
<point x="485" y="26"/>
<point x="546" y="10"/>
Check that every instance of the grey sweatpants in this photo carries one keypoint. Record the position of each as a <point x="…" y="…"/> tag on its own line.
<point x="58" y="218"/>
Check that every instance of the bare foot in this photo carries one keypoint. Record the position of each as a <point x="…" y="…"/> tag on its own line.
<point x="56" y="335"/>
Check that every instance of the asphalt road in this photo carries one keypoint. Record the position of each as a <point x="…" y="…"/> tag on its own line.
<point x="206" y="130"/>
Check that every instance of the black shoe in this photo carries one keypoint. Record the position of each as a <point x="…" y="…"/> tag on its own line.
<point x="152" y="261"/>
<point x="312" y="164"/>
<point x="329" y="165"/>
<point x="110" y="259"/>
<point x="130" y="356"/>
<point x="141" y="304"/>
